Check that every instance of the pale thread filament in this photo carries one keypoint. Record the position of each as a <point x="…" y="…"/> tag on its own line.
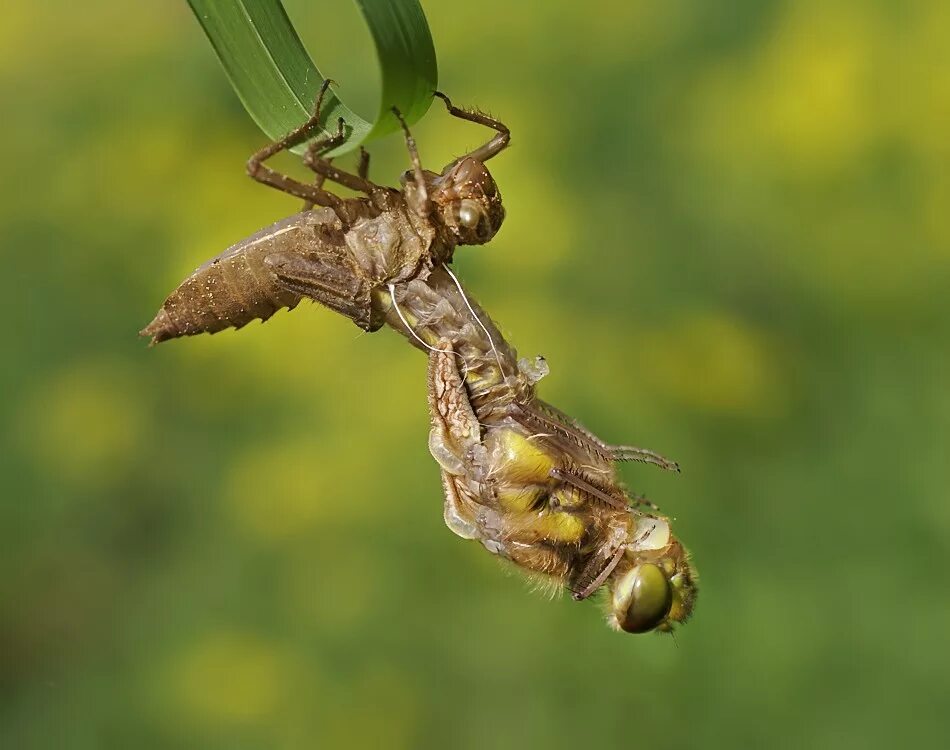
<point x="501" y="370"/>
<point x="392" y="295"/>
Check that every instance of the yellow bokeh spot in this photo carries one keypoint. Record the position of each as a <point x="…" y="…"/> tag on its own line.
<point x="85" y="423"/>
<point x="716" y="364"/>
<point x="283" y="489"/>
<point x="812" y="88"/>
<point x="804" y="101"/>
<point x="230" y="678"/>
<point x="915" y="79"/>
<point x="86" y="42"/>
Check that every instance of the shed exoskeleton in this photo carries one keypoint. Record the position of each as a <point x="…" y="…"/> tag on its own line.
<point x="519" y="476"/>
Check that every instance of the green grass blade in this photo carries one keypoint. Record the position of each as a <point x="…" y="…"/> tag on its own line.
<point x="277" y="80"/>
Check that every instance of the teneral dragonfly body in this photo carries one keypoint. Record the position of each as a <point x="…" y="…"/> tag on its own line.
<point x="521" y="477"/>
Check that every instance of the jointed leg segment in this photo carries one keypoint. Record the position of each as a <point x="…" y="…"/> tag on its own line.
<point x="496" y="144"/>
<point x="318" y="183"/>
<point x="324" y="167"/>
<point x="363" y="169"/>
<point x="630" y="453"/>
<point x="314" y="194"/>
<point x="422" y="206"/>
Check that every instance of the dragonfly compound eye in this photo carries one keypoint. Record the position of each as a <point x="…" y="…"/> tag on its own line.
<point x="642" y="599"/>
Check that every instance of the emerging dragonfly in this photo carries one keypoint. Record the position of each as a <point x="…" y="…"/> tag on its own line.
<point x="521" y="477"/>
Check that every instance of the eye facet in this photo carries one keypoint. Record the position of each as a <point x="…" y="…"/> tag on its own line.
<point x="469" y="214"/>
<point x="642" y="599"/>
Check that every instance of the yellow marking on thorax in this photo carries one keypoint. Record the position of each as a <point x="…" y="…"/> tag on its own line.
<point x="518" y="460"/>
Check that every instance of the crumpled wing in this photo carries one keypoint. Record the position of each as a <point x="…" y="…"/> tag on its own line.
<point x="454" y="436"/>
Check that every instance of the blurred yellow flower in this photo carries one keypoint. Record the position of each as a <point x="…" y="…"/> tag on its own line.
<point x="85" y="422"/>
<point x="803" y="100"/>
<point x="715" y="363"/>
<point x="229" y="678"/>
<point x="281" y="489"/>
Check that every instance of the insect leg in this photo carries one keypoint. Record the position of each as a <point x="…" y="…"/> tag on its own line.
<point x="363" y="169"/>
<point x="496" y="144"/>
<point x="422" y="196"/>
<point x="267" y="176"/>
<point x="630" y="453"/>
<point x="324" y="167"/>
<point x="565" y="425"/>
<point x="597" y="570"/>
<point x="330" y="282"/>
<point x="642" y="501"/>
<point x="322" y="174"/>
<point x="589" y="486"/>
<point x="318" y="183"/>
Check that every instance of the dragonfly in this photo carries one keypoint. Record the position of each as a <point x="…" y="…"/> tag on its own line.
<point x="519" y="476"/>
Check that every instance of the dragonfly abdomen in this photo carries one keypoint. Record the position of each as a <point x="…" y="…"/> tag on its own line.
<point x="439" y="309"/>
<point x="239" y="285"/>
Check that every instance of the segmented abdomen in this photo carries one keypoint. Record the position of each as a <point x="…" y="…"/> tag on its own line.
<point x="438" y="308"/>
<point x="237" y="286"/>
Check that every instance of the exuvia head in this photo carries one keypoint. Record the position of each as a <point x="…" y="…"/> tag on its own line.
<point x="465" y="200"/>
<point x="654" y="586"/>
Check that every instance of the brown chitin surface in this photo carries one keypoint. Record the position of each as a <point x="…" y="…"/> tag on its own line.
<point x="436" y="309"/>
<point x="501" y="448"/>
<point x="502" y="486"/>
<point x="311" y="254"/>
<point x="237" y="286"/>
<point x="520" y="476"/>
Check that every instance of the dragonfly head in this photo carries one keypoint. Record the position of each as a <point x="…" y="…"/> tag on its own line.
<point x="654" y="586"/>
<point x="468" y="202"/>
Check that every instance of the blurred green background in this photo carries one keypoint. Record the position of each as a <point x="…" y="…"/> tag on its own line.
<point x="728" y="232"/>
